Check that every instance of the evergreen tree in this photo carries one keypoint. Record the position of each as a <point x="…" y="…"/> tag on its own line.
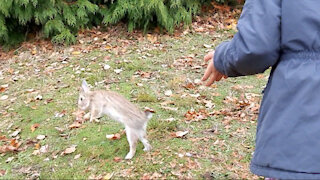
<point x="60" y="20"/>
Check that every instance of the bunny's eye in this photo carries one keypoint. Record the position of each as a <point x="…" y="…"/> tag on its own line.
<point x="81" y="98"/>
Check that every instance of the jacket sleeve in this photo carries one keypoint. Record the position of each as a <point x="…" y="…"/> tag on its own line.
<point x="256" y="45"/>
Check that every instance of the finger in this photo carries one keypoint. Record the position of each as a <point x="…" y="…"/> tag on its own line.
<point x="211" y="80"/>
<point x="208" y="56"/>
<point x="207" y="73"/>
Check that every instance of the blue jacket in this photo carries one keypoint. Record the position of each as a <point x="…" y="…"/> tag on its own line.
<point x="283" y="34"/>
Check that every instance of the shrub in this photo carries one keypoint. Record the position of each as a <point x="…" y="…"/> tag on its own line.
<point x="61" y="19"/>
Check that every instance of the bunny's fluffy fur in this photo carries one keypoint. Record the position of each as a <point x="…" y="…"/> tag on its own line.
<point x="118" y="108"/>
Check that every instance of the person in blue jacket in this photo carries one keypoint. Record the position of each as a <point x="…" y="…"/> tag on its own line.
<point x="284" y="35"/>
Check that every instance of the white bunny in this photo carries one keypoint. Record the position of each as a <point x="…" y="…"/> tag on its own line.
<point x="118" y="108"/>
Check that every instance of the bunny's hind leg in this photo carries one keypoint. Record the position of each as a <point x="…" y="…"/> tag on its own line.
<point x="132" y="139"/>
<point x="143" y="139"/>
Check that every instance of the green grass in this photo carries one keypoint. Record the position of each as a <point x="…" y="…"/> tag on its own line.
<point x="223" y="154"/>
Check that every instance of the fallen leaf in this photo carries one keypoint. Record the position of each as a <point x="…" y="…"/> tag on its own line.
<point x="108" y="47"/>
<point x="7" y="148"/>
<point x="30" y="90"/>
<point x="5" y="86"/>
<point x="44" y="149"/>
<point x="170" y="108"/>
<point x="69" y="150"/>
<point x="41" y="137"/>
<point x="147" y="109"/>
<point x="61" y="130"/>
<point x="34" y="127"/>
<point x="106" y="58"/>
<point x="76" y="52"/>
<point x="118" y="71"/>
<point x="75" y="125"/>
<point x="169" y="119"/>
<point x="37" y="146"/>
<point x="179" y="134"/>
<point x="2" y="89"/>
<point x="3" y="172"/>
<point x="113" y="136"/>
<point x="117" y="159"/>
<point x="168" y="93"/>
<point x="4" y="97"/>
<point x="15" y="143"/>
<point x="207" y="45"/>
<point x="77" y="156"/>
<point x="156" y="175"/>
<point x="60" y="114"/>
<point x="106" y="67"/>
<point x="151" y="38"/>
<point x="79" y="115"/>
<point x="9" y="159"/>
<point x="146" y="177"/>
<point x="193" y="115"/>
<point x="3" y="138"/>
<point x="15" y="133"/>
<point x="189" y="86"/>
<point x="108" y="176"/>
<point x="145" y="74"/>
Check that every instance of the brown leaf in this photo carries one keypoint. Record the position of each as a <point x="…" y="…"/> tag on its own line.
<point x="60" y="114"/>
<point x="147" y="109"/>
<point x="7" y="148"/>
<point x="117" y="159"/>
<point x="15" y="143"/>
<point x="69" y="150"/>
<point x="145" y="74"/>
<point x="152" y="38"/>
<point x="75" y="125"/>
<point x="3" y="172"/>
<point x="10" y="70"/>
<point x="189" y="86"/>
<point x="3" y="138"/>
<point x="37" y="146"/>
<point x="2" y="89"/>
<point x="34" y="127"/>
<point x="179" y="134"/>
<point x="113" y="136"/>
<point x="193" y="115"/>
<point x="145" y="177"/>
<point x="79" y="114"/>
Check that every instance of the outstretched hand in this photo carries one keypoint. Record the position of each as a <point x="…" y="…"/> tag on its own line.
<point x="211" y="72"/>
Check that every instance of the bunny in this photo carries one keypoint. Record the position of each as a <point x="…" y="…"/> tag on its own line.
<point x="118" y="108"/>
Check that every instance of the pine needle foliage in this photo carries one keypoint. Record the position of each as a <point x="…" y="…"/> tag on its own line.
<point x="56" y="19"/>
<point x="166" y="14"/>
<point x="60" y="20"/>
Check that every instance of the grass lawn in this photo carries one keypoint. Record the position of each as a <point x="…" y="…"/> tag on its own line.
<point x="160" y="72"/>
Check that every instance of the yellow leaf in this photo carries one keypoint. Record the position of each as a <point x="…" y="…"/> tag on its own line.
<point x="108" y="47"/>
<point x="34" y="127"/>
<point x="76" y="52"/>
<point x="108" y="176"/>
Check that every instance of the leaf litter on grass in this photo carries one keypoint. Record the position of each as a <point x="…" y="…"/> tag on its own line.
<point x="189" y="64"/>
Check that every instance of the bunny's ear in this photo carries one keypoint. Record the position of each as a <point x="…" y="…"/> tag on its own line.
<point x="85" y="86"/>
